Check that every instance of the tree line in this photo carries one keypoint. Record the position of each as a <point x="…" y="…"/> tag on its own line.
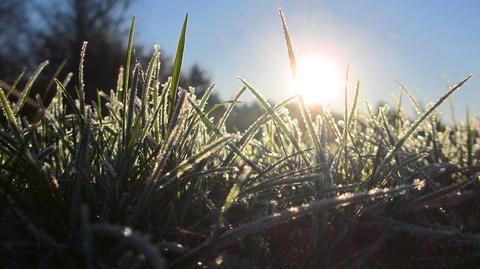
<point x="32" y="31"/>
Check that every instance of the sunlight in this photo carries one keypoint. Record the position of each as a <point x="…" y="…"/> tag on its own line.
<point x="319" y="80"/>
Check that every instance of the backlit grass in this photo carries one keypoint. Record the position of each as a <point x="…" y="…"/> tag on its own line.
<point x="145" y="177"/>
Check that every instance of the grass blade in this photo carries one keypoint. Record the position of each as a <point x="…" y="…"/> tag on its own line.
<point x="177" y="67"/>
<point x="277" y="119"/>
<point x="126" y="77"/>
<point x="303" y="108"/>
<point x="412" y="128"/>
<point x="24" y="96"/>
<point x="7" y="109"/>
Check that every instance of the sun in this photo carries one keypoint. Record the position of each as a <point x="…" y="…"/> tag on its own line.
<point x="319" y="80"/>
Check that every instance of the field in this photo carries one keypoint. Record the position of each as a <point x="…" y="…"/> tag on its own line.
<point x="146" y="178"/>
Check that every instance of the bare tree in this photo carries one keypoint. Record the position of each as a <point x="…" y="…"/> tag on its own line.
<point x="66" y="24"/>
<point x="13" y="34"/>
<point x="56" y="32"/>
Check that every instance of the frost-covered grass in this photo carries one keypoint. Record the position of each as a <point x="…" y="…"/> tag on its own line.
<point x="145" y="177"/>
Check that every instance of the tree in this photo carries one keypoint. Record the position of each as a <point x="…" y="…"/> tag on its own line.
<point x="57" y="32"/>
<point x="13" y="34"/>
<point x="67" y="24"/>
<point x="198" y="79"/>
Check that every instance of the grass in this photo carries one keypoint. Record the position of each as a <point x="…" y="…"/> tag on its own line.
<point x="145" y="178"/>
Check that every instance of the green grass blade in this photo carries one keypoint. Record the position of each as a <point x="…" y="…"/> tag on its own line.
<point x="233" y="193"/>
<point x="177" y="67"/>
<point x="7" y="109"/>
<point x="126" y="77"/>
<point x="126" y="74"/>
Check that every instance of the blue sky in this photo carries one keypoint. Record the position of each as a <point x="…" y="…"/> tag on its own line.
<point x="412" y="42"/>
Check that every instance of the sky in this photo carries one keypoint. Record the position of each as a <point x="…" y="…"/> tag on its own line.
<point x="384" y="43"/>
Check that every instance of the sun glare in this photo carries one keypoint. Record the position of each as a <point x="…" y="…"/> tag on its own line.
<point x="319" y="80"/>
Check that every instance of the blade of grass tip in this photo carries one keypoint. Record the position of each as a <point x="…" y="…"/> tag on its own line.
<point x="418" y="108"/>
<point x="7" y="109"/>
<point x="177" y="67"/>
<point x="303" y="108"/>
<point x="24" y="96"/>
<point x="130" y="109"/>
<point x="69" y="100"/>
<point x="397" y="113"/>
<point x="12" y="90"/>
<point x="345" y="128"/>
<point x="120" y="79"/>
<point x="469" y="140"/>
<point x="126" y="76"/>
<point x="421" y="110"/>
<point x="150" y="78"/>
<point x="276" y="118"/>
<point x="412" y="128"/>
<point x="450" y="102"/>
<point x="369" y="108"/>
<point x="233" y="194"/>
<point x="15" y="83"/>
<point x="81" y="83"/>
<point x="51" y="82"/>
<point x="288" y="40"/>
<point x="229" y="110"/>
<point x="355" y="103"/>
<point x="206" y="95"/>
<point x="99" y="107"/>
<point x="219" y="105"/>
<point x="55" y="103"/>
<point x="67" y="79"/>
<point x="386" y="126"/>
<point x="161" y="123"/>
